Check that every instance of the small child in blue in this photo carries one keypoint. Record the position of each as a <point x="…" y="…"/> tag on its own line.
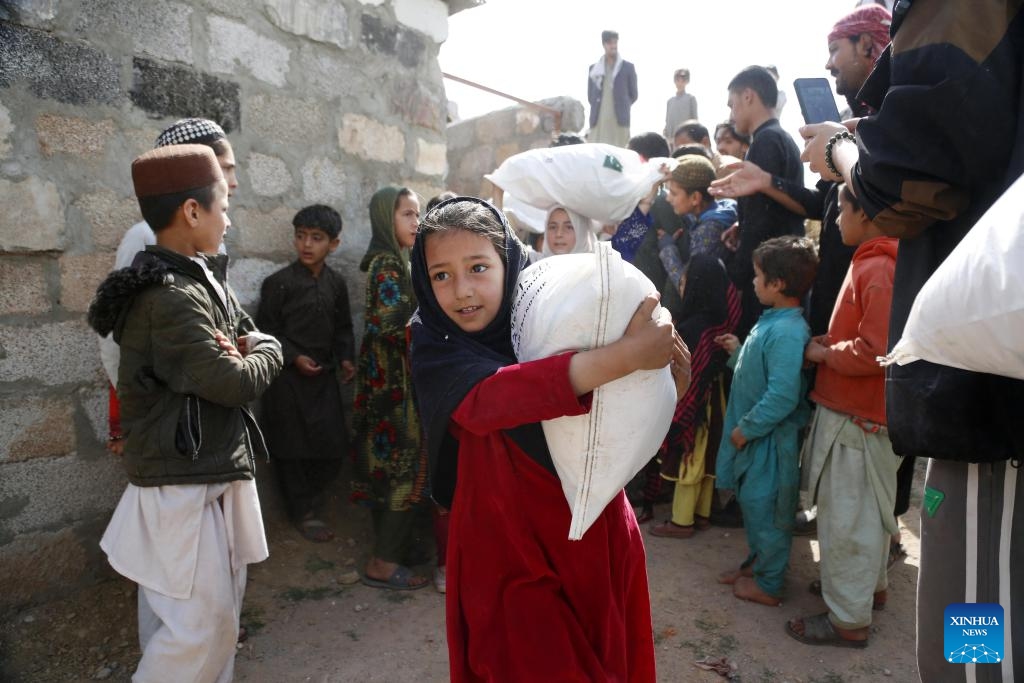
<point x="759" y="455"/>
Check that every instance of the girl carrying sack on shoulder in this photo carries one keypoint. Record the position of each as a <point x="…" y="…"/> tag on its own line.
<point x="523" y="602"/>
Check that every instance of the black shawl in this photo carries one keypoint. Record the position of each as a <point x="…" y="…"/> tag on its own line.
<point x="447" y="362"/>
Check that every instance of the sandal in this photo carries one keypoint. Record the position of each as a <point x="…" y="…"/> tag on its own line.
<point x="314" y="530"/>
<point x="877" y="603"/>
<point x="669" y="529"/>
<point x="702" y="523"/>
<point x="819" y="630"/>
<point x="400" y="580"/>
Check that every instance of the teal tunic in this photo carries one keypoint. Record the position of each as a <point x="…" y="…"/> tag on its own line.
<point x="767" y="404"/>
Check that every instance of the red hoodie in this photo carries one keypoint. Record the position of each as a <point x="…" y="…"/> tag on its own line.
<point x="850" y="380"/>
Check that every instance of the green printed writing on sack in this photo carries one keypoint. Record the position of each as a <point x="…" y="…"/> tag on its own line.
<point x="612" y="163"/>
<point x="932" y="500"/>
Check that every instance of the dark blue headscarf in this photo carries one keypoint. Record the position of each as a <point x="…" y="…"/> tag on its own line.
<point x="447" y="362"/>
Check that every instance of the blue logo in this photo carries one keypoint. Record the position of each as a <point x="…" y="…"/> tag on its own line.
<point x="973" y="633"/>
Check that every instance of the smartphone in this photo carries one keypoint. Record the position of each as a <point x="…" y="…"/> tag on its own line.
<point x="817" y="103"/>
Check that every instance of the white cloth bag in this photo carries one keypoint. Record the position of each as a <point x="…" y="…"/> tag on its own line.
<point x="970" y="313"/>
<point x="583" y="301"/>
<point x="602" y="182"/>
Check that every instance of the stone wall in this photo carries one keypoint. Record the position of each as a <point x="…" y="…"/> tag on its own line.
<point x="323" y="101"/>
<point x="479" y="145"/>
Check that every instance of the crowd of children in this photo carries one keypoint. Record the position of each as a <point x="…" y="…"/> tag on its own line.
<point x="444" y="411"/>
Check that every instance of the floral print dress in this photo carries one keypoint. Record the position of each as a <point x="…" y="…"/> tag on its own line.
<point x="390" y="460"/>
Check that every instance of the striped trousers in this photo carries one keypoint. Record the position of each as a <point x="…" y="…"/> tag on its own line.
<point x="972" y="550"/>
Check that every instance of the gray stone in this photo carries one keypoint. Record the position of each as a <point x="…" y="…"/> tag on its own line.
<point x="80" y="275"/>
<point x="53" y="69"/>
<point x="83" y="487"/>
<point x="498" y="126"/>
<point x="238" y="47"/>
<point x="418" y="106"/>
<point x="473" y="165"/>
<point x="323" y="181"/>
<point x="264" y="232"/>
<point x="461" y="135"/>
<point x="108" y="217"/>
<point x="395" y="41"/>
<point x="73" y="135"/>
<point x="23" y="286"/>
<point x="368" y="139"/>
<point x="35" y="427"/>
<point x="268" y="175"/>
<point x="94" y="401"/>
<point x="33" y="215"/>
<point x="51" y="353"/>
<point x="426" y="16"/>
<point x="178" y="91"/>
<point x="331" y="73"/>
<point x="6" y="128"/>
<point x="161" y="28"/>
<point x="431" y="157"/>
<point x="248" y="274"/>
<point x="325" y="21"/>
<point x="285" y="120"/>
<point x="34" y="13"/>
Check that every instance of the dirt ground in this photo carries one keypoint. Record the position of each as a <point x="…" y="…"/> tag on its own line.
<point x="306" y="625"/>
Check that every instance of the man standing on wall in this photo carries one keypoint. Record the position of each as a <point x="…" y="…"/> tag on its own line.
<point x="612" y="80"/>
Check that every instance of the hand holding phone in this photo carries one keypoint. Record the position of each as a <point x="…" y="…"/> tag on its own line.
<point x="817" y="103"/>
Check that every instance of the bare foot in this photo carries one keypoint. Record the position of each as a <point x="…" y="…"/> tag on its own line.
<point x="729" y="578"/>
<point x="379" y="570"/>
<point x="746" y="588"/>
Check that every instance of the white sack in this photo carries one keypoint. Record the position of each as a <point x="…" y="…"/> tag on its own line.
<point x="970" y="313"/>
<point x="583" y="301"/>
<point x="524" y="216"/>
<point x="602" y="182"/>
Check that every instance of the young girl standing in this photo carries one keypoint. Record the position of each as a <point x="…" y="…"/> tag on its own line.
<point x="389" y="468"/>
<point x="523" y="602"/>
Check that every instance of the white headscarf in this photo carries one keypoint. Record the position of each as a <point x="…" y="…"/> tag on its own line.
<point x="580" y="225"/>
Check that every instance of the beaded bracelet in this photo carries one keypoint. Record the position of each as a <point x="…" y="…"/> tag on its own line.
<point x="829" y="164"/>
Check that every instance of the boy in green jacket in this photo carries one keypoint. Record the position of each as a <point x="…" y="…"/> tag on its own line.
<point x="189" y="520"/>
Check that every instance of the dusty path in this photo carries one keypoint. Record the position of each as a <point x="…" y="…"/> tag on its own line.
<point x="306" y="626"/>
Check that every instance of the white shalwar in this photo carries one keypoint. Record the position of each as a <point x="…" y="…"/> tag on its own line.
<point x="187" y="546"/>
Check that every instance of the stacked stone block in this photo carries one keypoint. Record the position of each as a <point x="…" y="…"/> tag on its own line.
<point x="323" y="101"/>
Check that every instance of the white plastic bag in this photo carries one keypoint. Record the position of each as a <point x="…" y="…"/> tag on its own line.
<point x="581" y="301"/>
<point x="602" y="182"/>
<point x="970" y="313"/>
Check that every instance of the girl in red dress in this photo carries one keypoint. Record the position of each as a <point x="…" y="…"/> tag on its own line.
<point x="523" y="603"/>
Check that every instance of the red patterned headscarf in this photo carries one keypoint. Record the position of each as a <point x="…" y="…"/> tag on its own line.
<point x="873" y="20"/>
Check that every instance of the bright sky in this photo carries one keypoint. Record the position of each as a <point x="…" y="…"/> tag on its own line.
<point x="535" y="49"/>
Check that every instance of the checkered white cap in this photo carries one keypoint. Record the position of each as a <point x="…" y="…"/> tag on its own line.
<point x="191" y="131"/>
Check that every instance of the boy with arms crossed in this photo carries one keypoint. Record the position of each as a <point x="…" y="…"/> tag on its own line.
<point x="189" y="520"/>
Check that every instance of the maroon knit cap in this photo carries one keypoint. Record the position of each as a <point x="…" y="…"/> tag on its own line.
<point x="173" y="169"/>
<point x="873" y="20"/>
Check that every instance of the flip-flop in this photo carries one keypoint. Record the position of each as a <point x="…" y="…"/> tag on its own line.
<point x="398" y="581"/>
<point x="314" y="530"/>
<point x="818" y="630"/>
<point x="877" y="603"/>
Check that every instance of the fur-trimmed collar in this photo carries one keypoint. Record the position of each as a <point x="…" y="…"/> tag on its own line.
<point x="116" y="293"/>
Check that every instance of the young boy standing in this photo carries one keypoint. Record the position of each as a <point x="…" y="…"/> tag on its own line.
<point x="849" y="465"/>
<point x="758" y="457"/>
<point x="189" y="520"/>
<point x="305" y="305"/>
<point x="680" y="107"/>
